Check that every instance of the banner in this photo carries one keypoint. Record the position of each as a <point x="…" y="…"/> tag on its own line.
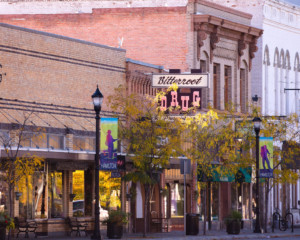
<point x="108" y="144"/>
<point x="266" y="157"/>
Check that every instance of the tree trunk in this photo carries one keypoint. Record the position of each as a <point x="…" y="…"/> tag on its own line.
<point x="205" y="210"/>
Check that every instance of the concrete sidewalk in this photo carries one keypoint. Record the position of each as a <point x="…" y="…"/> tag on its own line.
<point x="179" y="235"/>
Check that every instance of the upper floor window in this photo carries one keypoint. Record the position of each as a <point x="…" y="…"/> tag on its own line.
<point x="216" y="83"/>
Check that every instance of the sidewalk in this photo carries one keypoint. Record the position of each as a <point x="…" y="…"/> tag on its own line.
<point x="179" y="235"/>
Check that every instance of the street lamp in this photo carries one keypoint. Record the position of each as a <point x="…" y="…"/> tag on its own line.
<point x="257" y="123"/>
<point x="97" y="100"/>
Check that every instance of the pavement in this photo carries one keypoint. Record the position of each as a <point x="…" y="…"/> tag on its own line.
<point x="179" y="235"/>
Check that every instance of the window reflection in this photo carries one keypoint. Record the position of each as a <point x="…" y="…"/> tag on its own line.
<point x="177" y="200"/>
<point x="78" y="190"/>
<point x="215" y="201"/>
<point x="33" y="200"/>
<point x="55" y="189"/>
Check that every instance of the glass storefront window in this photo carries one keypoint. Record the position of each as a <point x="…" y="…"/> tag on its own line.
<point x="240" y="198"/>
<point x="201" y="200"/>
<point x="32" y="202"/>
<point x="177" y="200"/>
<point x="215" y="201"/>
<point x="25" y="200"/>
<point x="246" y="200"/>
<point x="78" y="190"/>
<point x="55" y="191"/>
<point x="234" y="197"/>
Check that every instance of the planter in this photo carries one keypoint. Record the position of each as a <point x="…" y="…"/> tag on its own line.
<point x="233" y="227"/>
<point x="2" y="233"/>
<point x="114" y="230"/>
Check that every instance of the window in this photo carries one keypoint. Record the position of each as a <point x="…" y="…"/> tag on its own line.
<point x="177" y="200"/>
<point x="55" y="191"/>
<point x="243" y="98"/>
<point x="227" y="86"/>
<point x="215" y="201"/>
<point x="216" y="81"/>
<point x="33" y="201"/>
<point x="78" y="190"/>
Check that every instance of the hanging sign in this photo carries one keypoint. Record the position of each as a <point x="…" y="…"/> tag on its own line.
<point x="108" y="144"/>
<point x="199" y="80"/>
<point x="266" y="157"/>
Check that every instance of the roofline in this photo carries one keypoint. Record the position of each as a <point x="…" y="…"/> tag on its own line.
<point x="59" y="36"/>
<point x="144" y="63"/>
<point x="225" y="9"/>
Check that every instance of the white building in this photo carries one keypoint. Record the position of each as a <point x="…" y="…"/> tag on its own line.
<point x="276" y="73"/>
<point x="276" y="65"/>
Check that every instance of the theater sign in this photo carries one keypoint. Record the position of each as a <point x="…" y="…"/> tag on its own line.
<point x="198" y="80"/>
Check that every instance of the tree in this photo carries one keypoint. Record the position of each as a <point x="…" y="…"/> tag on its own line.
<point x="149" y="137"/>
<point x="14" y="167"/>
<point x="284" y="131"/>
<point x="216" y="147"/>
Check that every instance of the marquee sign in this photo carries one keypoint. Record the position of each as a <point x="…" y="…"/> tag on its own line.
<point x="199" y="80"/>
<point x="184" y="100"/>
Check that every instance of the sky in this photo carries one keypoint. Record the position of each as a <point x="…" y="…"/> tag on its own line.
<point x="296" y="2"/>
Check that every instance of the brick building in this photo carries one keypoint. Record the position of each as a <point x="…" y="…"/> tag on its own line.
<point x="46" y="87"/>
<point x="179" y="34"/>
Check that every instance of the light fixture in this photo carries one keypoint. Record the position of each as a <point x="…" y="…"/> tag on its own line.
<point x="97" y="100"/>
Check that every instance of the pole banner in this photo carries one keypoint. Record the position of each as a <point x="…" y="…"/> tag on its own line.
<point x="108" y="144"/>
<point x="266" y="157"/>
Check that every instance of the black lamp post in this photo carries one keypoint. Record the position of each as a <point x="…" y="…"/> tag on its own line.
<point x="257" y="122"/>
<point x="97" y="100"/>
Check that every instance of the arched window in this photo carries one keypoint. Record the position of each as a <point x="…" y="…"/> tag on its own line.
<point x="266" y="89"/>
<point x="281" y="83"/>
<point x="276" y="81"/>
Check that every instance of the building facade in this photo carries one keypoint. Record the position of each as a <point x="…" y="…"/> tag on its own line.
<point x="46" y="108"/>
<point x="207" y="36"/>
<point x="276" y="76"/>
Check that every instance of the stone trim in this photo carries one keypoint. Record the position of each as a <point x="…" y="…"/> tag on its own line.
<point x="225" y="9"/>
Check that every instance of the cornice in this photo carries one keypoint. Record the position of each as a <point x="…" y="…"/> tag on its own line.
<point x="217" y="27"/>
<point x="282" y="26"/>
<point x="226" y="24"/>
<point x="225" y="9"/>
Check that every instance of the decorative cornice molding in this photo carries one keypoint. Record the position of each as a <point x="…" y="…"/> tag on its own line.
<point x="214" y="39"/>
<point x="241" y="47"/>
<point x="217" y="27"/>
<point x="225" y="9"/>
<point x="252" y="49"/>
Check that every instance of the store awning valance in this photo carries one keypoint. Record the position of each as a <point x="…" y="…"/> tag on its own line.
<point x="221" y="174"/>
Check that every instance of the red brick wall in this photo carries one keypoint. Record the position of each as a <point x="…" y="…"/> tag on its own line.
<point x="153" y="35"/>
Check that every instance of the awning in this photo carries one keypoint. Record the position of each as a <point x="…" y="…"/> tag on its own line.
<point x="221" y="174"/>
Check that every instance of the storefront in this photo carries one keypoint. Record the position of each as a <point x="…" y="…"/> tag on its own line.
<point x="222" y="192"/>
